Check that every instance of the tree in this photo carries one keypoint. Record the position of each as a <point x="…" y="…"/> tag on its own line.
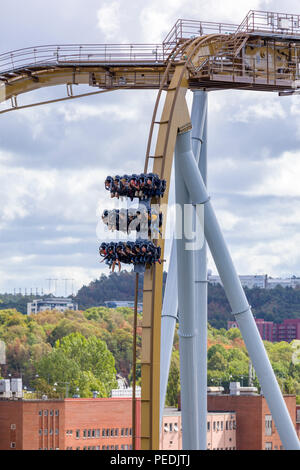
<point x="91" y="355"/>
<point x="173" y="387"/>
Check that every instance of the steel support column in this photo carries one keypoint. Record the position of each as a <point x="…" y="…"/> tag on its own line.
<point x="199" y="136"/>
<point x="186" y="309"/>
<point x="236" y="296"/>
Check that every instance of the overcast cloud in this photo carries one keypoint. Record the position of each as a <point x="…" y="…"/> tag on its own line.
<point x="53" y="159"/>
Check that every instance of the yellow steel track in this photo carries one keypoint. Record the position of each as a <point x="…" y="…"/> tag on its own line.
<point x="210" y="62"/>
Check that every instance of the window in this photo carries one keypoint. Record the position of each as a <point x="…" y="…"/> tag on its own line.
<point x="268" y="446"/>
<point x="50" y="432"/>
<point x="214" y="426"/>
<point x="171" y="427"/>
<point x="12" y="426"/>
<point x="97" y="432"/>
<point x="77" y="433"/>
<point x="208" y="426"/>
<point x="56" y="412"/>
<point x="268" y="425"/>
<point x="46" y="413"/>
<point x="56" y="432"/>
<point x="103" y="432"/>
<point x="116" y="432"/>
<point x="112" y="432"/>
<point x="40" y="413"/>
<point x="12" y="445"/>
<point x="40" y="432"/>
<point x="46" y="432"/>
<point x="51" y="412"/>
<point x="89" y="433"/>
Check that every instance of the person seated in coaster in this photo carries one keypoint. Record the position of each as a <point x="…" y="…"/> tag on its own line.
<point x="116" y="187"/>
<point x="133" y="187"/>
<point x="124" y="186"/>
<point x="108" y="183"/>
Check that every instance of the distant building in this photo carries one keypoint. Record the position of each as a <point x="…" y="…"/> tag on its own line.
<point x="275" y="332"/>
<point x="234" y="422"/>
<point x="262" y="281"/>
<point x="69" y="424"/>
<point x="221" y="430"/>
<point x="249" y="281"/>
<point x="53" y="303"/>
<point x="283" y="282"/>
<point x="255" y="428"/>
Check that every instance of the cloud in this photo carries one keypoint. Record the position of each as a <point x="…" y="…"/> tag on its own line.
<point x="108" y="19"/>
<point x="53" y="159"/>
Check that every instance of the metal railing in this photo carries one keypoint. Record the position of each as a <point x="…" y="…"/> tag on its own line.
<point x="252" y="72"/>
<point x="270" y="22"/>
<point x="57" y="55"/>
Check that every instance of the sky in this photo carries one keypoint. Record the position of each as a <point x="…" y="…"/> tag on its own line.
<point x="53" y="159"/>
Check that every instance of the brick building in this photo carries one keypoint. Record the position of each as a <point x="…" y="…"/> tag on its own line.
<point x="70" y="424"/>
<point x="275" y="332"/>
<point x="221" y="430"/>
<point x="233" y="422"/>
<point x="255" y="429"/>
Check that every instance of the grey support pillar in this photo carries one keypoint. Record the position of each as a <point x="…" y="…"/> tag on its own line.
<point x="168" y="324"/>
<point x="186" y="309"/>
<point x="236" y="297"/>
<point x="199" y="147"/>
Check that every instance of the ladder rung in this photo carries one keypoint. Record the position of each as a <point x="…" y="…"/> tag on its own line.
<point x="156" y="156"/>
<point x="161" y="122"/>
<point x="172" y="89"/>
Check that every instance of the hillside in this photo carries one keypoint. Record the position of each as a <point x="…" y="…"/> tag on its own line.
<point x="272" y="305"/>
<point x="86" y="349"/>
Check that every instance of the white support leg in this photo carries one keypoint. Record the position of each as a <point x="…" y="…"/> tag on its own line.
<point x="187" y="334"/>
<point x="199" y="136"/>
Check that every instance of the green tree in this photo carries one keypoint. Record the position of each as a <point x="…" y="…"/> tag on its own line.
<point x="173" y="387"/>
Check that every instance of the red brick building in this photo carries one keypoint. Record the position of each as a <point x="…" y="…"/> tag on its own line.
<point x="255" y="428"/>
<point x="70" y="424"/>
<point x="275" y="332"/>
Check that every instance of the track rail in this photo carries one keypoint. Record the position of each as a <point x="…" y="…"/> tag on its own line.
<point x="175" y="116"/>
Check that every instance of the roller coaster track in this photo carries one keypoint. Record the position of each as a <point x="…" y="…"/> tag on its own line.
<point x="175" y="117"/>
